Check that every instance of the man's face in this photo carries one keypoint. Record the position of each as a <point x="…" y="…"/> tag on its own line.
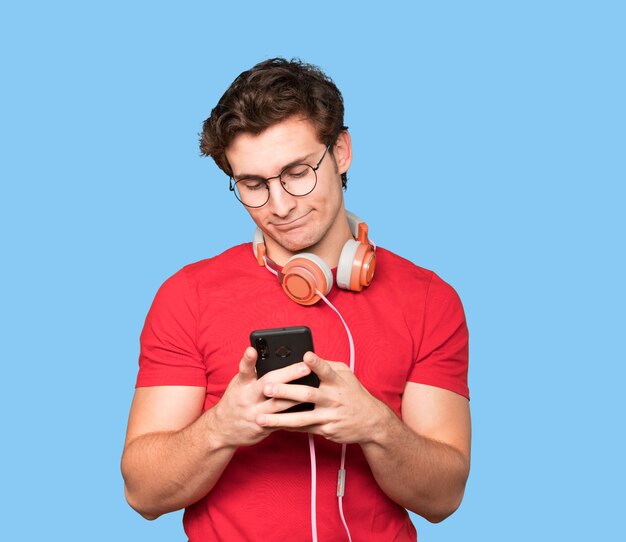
<point x="315" y="222"/>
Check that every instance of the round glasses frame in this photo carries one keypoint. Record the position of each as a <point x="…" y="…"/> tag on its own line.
<point x="232" y="186"/>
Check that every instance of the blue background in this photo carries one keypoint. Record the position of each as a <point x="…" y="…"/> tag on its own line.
<point x="489" y="143"/>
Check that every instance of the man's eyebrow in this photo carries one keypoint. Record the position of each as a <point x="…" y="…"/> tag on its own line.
<point x="300" y="160"/>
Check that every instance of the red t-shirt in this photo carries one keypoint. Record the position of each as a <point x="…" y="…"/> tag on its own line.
<point x="408" y="325"/>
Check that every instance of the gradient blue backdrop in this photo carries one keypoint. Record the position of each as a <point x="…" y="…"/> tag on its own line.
<point x="489" y="143"/>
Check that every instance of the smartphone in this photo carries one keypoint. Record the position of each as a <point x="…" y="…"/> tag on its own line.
<point x="283" y="346"/>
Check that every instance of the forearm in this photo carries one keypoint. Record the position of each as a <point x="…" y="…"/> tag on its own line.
<point x="421" y="474"/>
<point x="167" y="471"/>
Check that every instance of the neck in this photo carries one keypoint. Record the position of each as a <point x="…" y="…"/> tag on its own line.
<point x="328" y="248"/>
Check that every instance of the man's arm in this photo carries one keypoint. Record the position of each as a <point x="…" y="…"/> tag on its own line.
<point x="170" y="459"/>
<point x="174" y="454"/>
<point x="422" y="463"/>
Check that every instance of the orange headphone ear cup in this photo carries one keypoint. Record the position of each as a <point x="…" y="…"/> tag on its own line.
<point x="357" y="264"/>
<point x="303" y="275"/>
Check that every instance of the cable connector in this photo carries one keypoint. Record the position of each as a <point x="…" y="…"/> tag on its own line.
<point x="341" y="482"/>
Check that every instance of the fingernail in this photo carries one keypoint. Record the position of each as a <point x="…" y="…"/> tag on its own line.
<point x="269" y="390"/>
<point x="303" y="369"/>
<point x="261" y="420"/>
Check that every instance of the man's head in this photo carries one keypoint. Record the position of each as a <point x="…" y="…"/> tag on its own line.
<point x="273" y="91"/>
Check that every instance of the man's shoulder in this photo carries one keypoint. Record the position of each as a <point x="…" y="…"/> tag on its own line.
<point x="234" y="257"/>
<point x="234" y="262"/>
<point x="409" y="277"/>
<point x="391" y="263"/>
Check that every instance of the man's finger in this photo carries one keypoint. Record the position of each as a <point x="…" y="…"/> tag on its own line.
<point x="320" y="367"/>
<point x="293" y="392"/>
<point x="287" y="374"/>
<point x="247" y="371"/>
<point x="289" y="420"/>
<point x="274" y="406"/>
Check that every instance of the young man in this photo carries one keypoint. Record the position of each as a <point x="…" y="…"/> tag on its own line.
<point x="207" y="435"/>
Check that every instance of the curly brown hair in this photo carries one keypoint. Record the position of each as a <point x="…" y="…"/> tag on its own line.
<point x="270" y="92"/>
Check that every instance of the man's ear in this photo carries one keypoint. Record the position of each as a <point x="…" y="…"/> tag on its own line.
<point x="342" y="152"/>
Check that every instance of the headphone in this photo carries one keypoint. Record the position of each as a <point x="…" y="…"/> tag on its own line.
<point x="304" y="274"/>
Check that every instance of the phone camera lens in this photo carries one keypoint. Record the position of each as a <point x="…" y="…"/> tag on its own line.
<point x="261" y="347"/>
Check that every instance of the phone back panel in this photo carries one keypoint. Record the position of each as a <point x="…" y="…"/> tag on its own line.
<point x="280" y="347"/>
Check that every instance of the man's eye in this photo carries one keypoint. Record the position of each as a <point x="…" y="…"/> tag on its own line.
<point x="251" y="185"/>
<point x="295" y="173"/>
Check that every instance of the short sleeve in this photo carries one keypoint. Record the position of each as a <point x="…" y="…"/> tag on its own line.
<point x="169" y="355"/>
<point x="442" y="356"/>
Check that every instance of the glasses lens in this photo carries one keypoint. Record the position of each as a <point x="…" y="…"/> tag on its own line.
<point x="252" y="192"/>
<point x="298" y="180"/>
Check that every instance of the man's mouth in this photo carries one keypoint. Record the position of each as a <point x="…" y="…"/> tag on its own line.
<point x="290" y="223"/>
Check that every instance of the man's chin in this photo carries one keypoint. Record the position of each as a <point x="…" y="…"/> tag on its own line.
<point x="294" y="245"/>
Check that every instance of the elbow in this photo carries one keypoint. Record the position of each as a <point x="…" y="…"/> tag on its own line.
<point x="138" y="507"/>
<point x="445" y="508"/>
<point x="443" y="505"/>
<point x="146" y="515"/>
<point x="436" y="512"/>
<point x="133" y="500"/>
<point x="437" y="516"/>
<point x="451" y="498"/>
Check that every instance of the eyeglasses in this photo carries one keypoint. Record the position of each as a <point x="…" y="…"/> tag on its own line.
<point x="297" y="180"/>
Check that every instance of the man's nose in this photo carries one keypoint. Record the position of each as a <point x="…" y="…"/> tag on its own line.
<point x="281" y="202"/>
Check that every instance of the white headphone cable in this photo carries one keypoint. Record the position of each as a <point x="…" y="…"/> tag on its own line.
<point x="341" y="479"/>
<point x="273" y="271"/>
<point x="313" y="461"/>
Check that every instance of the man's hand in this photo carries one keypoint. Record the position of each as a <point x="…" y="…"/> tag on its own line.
<point x="244" y="402"/>
<point x="345" y="412"/>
